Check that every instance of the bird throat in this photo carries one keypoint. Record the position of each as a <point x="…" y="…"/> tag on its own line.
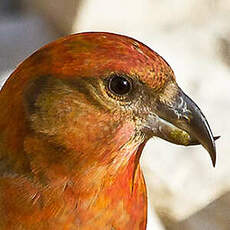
<point x="102" y="195"/>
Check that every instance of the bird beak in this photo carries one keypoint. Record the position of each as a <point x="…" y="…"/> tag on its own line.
<point x="182" y="122"/>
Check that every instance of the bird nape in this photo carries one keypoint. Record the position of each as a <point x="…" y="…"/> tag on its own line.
<point x="74" y="119"/>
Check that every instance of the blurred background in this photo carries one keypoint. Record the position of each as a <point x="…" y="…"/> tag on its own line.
<point x="185" y="192"/>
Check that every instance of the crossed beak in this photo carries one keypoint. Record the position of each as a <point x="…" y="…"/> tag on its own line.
<point x="182" y="122"/>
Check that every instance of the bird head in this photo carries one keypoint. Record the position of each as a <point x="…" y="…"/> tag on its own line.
<point x="89" y="95"/>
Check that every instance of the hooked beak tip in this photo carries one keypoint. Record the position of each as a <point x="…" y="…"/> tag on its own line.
<point x="213" y="156"/>
<point x="212" y="151"/>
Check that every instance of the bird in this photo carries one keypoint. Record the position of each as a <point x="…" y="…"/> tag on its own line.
<point x="75" y="117"/>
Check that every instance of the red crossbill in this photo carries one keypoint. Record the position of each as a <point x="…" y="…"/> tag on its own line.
<point x="74" y="119"/>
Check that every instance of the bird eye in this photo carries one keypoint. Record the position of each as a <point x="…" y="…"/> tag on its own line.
<point x="120" y="85"/>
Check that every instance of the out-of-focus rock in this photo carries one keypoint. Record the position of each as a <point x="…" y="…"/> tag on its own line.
<point x="215" y="216"/>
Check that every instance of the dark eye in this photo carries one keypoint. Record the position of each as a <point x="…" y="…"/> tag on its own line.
<point x="120" y="85"/>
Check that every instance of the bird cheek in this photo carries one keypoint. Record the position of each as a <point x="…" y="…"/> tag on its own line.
<point x="94" y="133"/>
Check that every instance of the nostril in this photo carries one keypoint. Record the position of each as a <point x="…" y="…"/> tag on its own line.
<point x="186" y="119"/>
